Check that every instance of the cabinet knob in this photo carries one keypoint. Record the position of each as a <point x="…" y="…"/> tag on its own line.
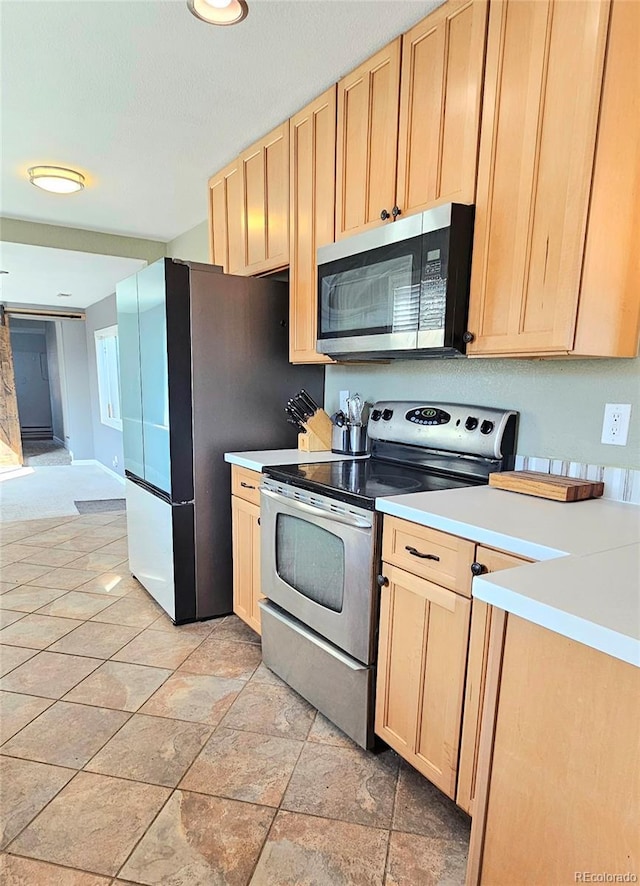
<point x="383" y="581"/>
<point x="396" y="211"/>
<point x="384" y="215"/>
<point x="258" y="521"/>
<point x="468" y="337"/>
<point x="478" y="568"/>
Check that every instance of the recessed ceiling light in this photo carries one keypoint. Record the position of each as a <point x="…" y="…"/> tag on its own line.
<point x="64" y="295"/>
<point x="219" y="12"/>
<point x="56" y="179"/>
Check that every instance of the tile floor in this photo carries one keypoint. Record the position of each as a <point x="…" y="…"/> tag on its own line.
<point x="133" y="751"/>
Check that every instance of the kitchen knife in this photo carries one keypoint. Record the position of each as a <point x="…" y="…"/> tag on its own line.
<point x="295" y="412"/>
<point x="311" y="403"/>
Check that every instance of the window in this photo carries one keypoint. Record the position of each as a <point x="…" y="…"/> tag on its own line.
<point x="108" y="383"/>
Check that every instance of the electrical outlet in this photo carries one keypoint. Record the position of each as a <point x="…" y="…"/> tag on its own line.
<point x="615" y="427"/>
<point x="344" y="396"/>
<point x="115" y="461"/>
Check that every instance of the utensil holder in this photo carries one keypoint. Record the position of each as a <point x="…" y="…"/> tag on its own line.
<point x="340" y="439"/>
<point x="357" y="439"/>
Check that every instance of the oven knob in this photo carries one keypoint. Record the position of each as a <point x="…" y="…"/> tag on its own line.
<point x="375" y="415"/>
<point x="486" y="427"/>
<point x="471" y="423"/>
<point x="387" y="414"/>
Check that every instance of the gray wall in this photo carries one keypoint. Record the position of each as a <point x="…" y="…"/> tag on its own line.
<point x="561" y="402"/>
<point x="57" y="420"/>
<point x="72" y="348"/>
<point x="193" y="245"/>
<point x="107" y="441"/>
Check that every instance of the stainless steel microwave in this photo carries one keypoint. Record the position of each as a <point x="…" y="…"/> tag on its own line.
<point x="401" y="290"/>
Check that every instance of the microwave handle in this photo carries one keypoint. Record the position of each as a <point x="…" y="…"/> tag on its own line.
<point x="357" y="522"/>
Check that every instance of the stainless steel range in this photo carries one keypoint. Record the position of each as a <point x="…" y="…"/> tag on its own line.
<point x="321" y="544"/>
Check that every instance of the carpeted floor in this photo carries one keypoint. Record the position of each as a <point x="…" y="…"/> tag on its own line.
<point x="44" y="453"/>
<point x="30" y="493"/>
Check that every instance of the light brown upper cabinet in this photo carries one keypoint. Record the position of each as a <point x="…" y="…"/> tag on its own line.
<point x="441" y="90"/>
<point x="225" y="219"/>
<point x="264" y="173"/>
<point x="312" y="190"/>
<point x="367" y="144"/>
<point x="550" y="123"/>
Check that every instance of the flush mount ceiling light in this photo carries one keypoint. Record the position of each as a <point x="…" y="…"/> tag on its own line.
<point x="56" y="179"/>
<point x="219" y="12"/>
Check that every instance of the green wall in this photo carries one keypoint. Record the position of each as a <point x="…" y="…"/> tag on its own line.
<point x="193" y="245"/>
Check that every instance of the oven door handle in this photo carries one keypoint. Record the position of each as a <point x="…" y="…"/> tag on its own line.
<point x="356" y="522"/>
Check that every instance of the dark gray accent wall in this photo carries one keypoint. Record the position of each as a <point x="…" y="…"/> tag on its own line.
<point x="53" y="361"/>
<point x="107" y="441"/>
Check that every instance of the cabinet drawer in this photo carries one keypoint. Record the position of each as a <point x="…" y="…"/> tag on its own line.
<point x="246" y="484"/>
<point x="441" y="558"/>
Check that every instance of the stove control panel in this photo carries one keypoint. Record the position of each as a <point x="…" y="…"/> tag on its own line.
<point x="452" y="427"/>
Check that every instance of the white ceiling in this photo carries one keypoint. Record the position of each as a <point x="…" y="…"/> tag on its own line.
<point x="148" y="101"/>
<point x="36" y="275"/>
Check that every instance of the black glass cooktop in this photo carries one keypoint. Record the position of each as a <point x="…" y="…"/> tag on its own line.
<point x="361" y="481"/>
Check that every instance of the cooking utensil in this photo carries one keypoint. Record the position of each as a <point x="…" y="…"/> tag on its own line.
<point x="355" y="405"/>
<point x="338" y="418"/>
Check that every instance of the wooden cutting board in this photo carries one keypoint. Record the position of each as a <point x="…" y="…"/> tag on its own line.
<point x="546" y="485"/>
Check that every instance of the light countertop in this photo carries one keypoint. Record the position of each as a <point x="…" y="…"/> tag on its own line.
<point x="589" y="588"/>
<point x="260" y="459"/>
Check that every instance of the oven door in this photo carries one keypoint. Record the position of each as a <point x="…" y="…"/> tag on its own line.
<point x="369" y="290"/>
<point x="318" y="565"/>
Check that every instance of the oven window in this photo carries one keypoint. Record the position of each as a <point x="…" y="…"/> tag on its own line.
<point x="311" y="560"/>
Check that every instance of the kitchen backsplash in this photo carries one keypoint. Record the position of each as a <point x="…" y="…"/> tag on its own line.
<point x="620" y="484"/>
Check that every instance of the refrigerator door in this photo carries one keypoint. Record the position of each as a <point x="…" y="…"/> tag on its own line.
<point x="150" y="536"/>
<point x="154" y="372"/>
<point x="130" y="384"/>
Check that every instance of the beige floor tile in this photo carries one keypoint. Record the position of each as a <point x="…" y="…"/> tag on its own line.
<point x="151" y="749"/>
<point x="324" y="731"/>
<point x="97" y="562"/>
<point x="53" y="538"/>
<point x="6" y="586"/>
<point x="118" y="547"/>
<point x="17" y="871"/>
<point x="125" y="611"/>
<point x="117" y="583"/>
<point x="274" y="710"/>
<point x="13" y="553"/>
<point x="118" y="685"/>
<point x="158" y="649"/>
<point x="65" y="577"/>
<point x="200" y="839"/>
<point x="8" y="616"/>
<point x="303" y="849"/>
<point x="17" y="710"/>
<point x="200" y="629"/>
<point x="193" y="697"/>
<point x="93" y="824"/>
<point x="26" y="598"/>
<point x="37" y="631"/>
<point x="263" y="674"/>
<point x="66" y="734"/>
<point x="233" y="628"/>
<point x="244" y="766"/>
<point x="422" y="809"/>
<point x="23" y="573"/>
<point x="75" y="604"/>
<point x="12" y="656"/>
<point x="351" y="785"/>
<point x="224" y="658"/>
<point x="52" y="557"/>
<point x="429" y="861"/>
<point x="26" y="788"/>
<point x="95" y="639"/>
<point x="48" y="674"/>
<point x="82" y="544"/>
<point x="14" y="532"/>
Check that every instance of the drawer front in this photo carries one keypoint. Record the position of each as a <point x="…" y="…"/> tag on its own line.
<point x="442" y="558"/>
<point x="246" y="484"/>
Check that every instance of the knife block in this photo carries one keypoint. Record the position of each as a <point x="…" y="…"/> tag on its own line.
<point x="318" y="436"/>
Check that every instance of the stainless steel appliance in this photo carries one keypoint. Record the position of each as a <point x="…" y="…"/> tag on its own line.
<point x="203" y="370"/>
<point x="401" y="290"/>
<point x="321" y="544"/>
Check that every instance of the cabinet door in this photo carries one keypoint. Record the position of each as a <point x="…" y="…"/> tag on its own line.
<point x="441" y="88"/>
<point x="312" y="188"/>
<point x="541" y="98"/>
<point x="225" y="219"/>
<point x="480" y="635"/>
<point x="367" y="147"/>
<point x="264" y="169"/>
<point x="424" y="630"/>
<point x="245" y="518"/>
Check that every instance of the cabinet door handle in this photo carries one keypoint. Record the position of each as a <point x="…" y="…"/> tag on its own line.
<point x="258" y="521"/>
<point x="416" y="553"/>
<point x="384" y="215"/>
<point x="396" y="211"/>
<point x="478" y="569"/>
<point x="383" y="581"/>
<point x="246" y="485"/>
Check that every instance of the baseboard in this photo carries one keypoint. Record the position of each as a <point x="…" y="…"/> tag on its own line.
<point x="59" y="441"/>
<point x="96" y="463"/>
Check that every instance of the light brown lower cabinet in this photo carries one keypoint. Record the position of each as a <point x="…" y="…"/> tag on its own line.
<point x="245" y="520"/>
<point x="424" y="631"/>
<point x="558" y="787"/>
